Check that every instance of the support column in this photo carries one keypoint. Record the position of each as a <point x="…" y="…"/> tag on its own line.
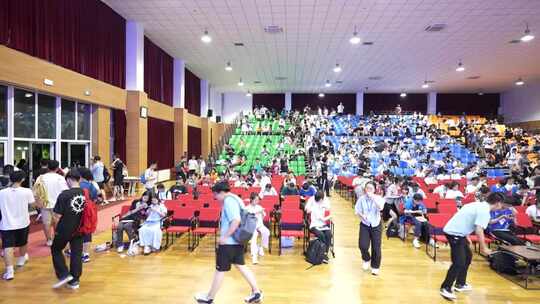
<point x="288" y="101"/>
<point x="179" y="83"/>
<point x="180" y="133"/>
<point x="136" y="133"/>
<point x="134" y="56"/>
<point x="360" y="103"/>
<point x="204" y="98"/>
<point x="101" y="133"/>
<point x="205" y="137"/>
<point x="432" y="103"/>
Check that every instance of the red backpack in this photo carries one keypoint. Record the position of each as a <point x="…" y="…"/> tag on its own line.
<point x="89" y="217"/>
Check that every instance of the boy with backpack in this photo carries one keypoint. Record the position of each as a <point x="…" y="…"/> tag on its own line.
<point x="230" y="251"/>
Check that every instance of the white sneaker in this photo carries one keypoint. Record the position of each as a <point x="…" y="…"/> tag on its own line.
<point x="22" y="260"/>
<point x="375" y="271"/>
<point x="254" y="260"/>
<point x="416" y="243"/>
<point x="366" y="265"/>
<point x="9" y="274"/>
<point x="447" y="294"/>
<point x="203" y="298"/>
<point x="261" y="251"/>
<point x="463" y="288"/>
<point x="120" y="249"/>
<point x="49" y="243"/>
<point x="62" y="282"/>
<point x="147" y="250"/>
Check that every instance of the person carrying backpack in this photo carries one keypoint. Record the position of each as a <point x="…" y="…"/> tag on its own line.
<point x="230" y="251"/>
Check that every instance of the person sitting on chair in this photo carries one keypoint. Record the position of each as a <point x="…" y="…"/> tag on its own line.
<point x="129" y="222"/>
<point x="318" y="207"/>
<point x="178" y="189"/>
<point x="501" y="222"/>
<point x="150" y="233"/>
<point x="415" y="213"/>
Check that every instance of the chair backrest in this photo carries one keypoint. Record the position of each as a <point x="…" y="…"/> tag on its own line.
<point x="430" y="203"/>
<point x="448" y="208"/>
<point x="521" y="209"/>
<point x="523" y="220"/>
<point x="125" y="209"/>
<point x="209" y="215"/>
<point x="290" y="205"/>
<point x="183" y="213"/>
<point x="294" y="198"/>
<point x="292" y="216"/>
<point x="171" y="204"/>
<point x="439" y="220"/>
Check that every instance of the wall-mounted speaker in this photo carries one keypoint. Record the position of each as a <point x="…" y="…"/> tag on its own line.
<point x="209" y="113"/>
<point x="218" y="118"/>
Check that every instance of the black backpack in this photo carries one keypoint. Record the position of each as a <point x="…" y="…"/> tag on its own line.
<point x="316" y="252"/>
<point x="503" y="262"/>
<point x="106" y="175"/>
<point x="392" y="230"/>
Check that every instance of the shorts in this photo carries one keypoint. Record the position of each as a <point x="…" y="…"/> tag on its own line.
<point x="47" y="216"/>
<point x="227" y="255"/>
<point x="386" y="211"/>
<point x="87" y="238"/>
<point x="15" y="238"/>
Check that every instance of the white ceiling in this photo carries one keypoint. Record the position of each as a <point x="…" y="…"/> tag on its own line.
<point x="316" y="35"/>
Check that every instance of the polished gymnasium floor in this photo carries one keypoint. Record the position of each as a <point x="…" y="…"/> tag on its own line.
<point x="174" y="276"/>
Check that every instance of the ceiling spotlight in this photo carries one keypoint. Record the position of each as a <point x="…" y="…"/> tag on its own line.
<point x="337" y="68"/>
<point x="248" y="94"/>
<point x="403" y="95"/>
<point x="240" y="83"/>
<point x="228" y="67"/>
<point x="460" y="67"/>
<point x="206" y="38"/>
<point x="480" y="93"/>
<point x="328" y="84"/>
<point x="28" y="95"/>
<point x="355" y="39"/>
<point x="527" y="35"/>
<point x="519" y="82"/>
<point x="425" y="85"/>
<point x="321" y="95"/>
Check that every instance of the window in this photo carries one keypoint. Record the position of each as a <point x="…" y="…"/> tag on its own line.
<point x="3" y="111"/>
<point x="24" y="114"/>
<point x="68" y="119"/>
<point x="46" y="116"/>
<point x="83" y="121"/>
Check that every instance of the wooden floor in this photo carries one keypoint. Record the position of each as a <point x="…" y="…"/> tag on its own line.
<point x="174" y="276"/>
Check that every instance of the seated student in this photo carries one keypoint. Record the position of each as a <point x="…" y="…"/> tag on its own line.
<point x="163" y="194"/>
<point x="501" y="222"/>
<point x="415" y="212"/>
<point x="498" y="188"/>
<point x="318" y="207"/>
<point x="431" y="179"/>
<point x="509" y="186"/>
<point x="268" y="190"/>
<point x="533" y="211"/>
<point x="178" y="189"/>
<point x="150" y="233"/>
<point x="130" y="221"/>
<point x="453" y="191"/>
<point x="307" y="190"/>
<point x="415" y="189"/>
<point x="441" y="190"/>
<point x="289" y="189"/>
<point x="258" y="210"/>
<point x="473" y="186"/>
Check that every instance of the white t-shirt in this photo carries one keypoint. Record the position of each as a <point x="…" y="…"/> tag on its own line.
<point x="533" y="212"/>
<point x="193" y="164"/>
<point x="317" y="212"/>
<point x="151" y="178"/>
<point x="259" y="212"/>
<point x="54" y="185"/>
<point x="14" y="207"/>
<point x="453" y="194"/>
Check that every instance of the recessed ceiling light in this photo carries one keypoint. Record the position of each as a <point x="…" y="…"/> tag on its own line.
<point x="28" y="95"/>
<point x="527" y="36"/>
<point x="321" y="95"/>
<point x="248" y="94"/>
<point x="480" y="93"/>
<point x="337" y="68"/>
<point x="425" y="85"/>
<point x="240" y="83"/>
<point x="460" y="67"/>
<point x="355" y="39"/>
<point x="205" y="37"/>
<point x="328" y="84"/>
<point x="519" y="82"/>
<point x="403" y="95"/>
<point x="228" y="67"/>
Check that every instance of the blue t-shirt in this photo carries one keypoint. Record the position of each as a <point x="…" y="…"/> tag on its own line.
<point x="309" y="192"/>
<point x="502" y="224"/>
<point x="229" y="212"/>
<point x="467" y="218"/>
<point x="91" y="189"/>
<point x="497" y="189"/>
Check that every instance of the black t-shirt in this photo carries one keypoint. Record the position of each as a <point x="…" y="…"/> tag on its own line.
<point x="70" y="205"/>
<point x="137" y="215"/>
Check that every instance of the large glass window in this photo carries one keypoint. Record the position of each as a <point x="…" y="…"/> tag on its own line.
<point x="83" y="121"/>
<point x="3" y="111"/>
<point x="68" y="119"/>
<point x="24" y="114"/>
<point x="46" y="116"/>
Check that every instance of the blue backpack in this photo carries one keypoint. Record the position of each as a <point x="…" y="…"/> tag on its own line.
<point x="143" y="178"/>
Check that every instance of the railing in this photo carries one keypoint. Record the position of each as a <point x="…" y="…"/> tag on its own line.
<point x="228" y="132"/>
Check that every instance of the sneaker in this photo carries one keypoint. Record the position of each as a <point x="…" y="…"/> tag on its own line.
<point x="203" y="298"/>
<point x="22" y="260"/>
<point x="254" y="260"/>
<point x="49" y="243"/>
<point x="445" y="293"/>
<point x="147" y="250"/>
<point x="462" y="288"/>
<point x="416" y="243"/>
<point x="62" y="282"/>
<point x="366" y="265"/>
<point x="261" y="251"/>
<point x="375" y="271"/>
<point x="254" y="297"/>
<point x="325" y="261"/>
<point x="74" y="284"/>
<point x="120" y="249"/>
<point x="86" y="258"/>
<point x="9" y="275"/>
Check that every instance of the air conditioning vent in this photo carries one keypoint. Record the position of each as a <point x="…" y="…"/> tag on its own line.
<point x="473" y="77"/>
<point x="273" y="29"/>
<point x="430" y="81"/>
<point x="238" y="44"/>
<point x="514" y="41"/>
<point x="281" y="78"/>
<point x="375" y="78"/>
<point x="339" y="81"/>
<point x="257" y="82"/>
<point x="435" y="27"/>
<point x="367" y="43"/>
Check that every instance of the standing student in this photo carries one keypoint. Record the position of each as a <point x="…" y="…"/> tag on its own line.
<point x="258" y="210"/>
<point x="118" y="174"/>
<point x="229" y="251"/>
<point x="68" y="213"/>
<point x="193" y="165"/>
<point x="98" y="171"/>
<point x="86" y="183"/>
<point x="473" y="217"/>
<point x="150" y="176"/>
<point x="15" y="221"/>
<point x="368" y="207"/>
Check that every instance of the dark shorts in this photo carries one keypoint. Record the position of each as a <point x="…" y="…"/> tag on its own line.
<point x="87" y="238"/>
<point x="15" y="238"/>
<point x="227" y="255"/>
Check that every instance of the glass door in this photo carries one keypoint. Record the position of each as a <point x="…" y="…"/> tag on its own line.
<point x="78" y="154"/>
<point x="28" y="155"/>
<point x="3" y="146"/>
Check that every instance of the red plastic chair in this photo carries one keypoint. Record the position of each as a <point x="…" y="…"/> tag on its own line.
<point x="206" y="222"/>
<point x="436" y="222"/>
<point x="182" y="222"/>
<point x="448" y="208"/>
<point x="294" y="205"/>
<point x="292" y="224"/>
<point x="526" y="226"/>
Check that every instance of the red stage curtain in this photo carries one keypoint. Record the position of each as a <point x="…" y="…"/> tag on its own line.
<point x="85" y="36"/>
<point x="158" y="73"/>
<point x="120" y="122"/>
<point x="160" y="145"/>
<point x="194" y="141"/>
<point x="378" y="103"/>
<point x="193" y="93"/>
<point x="471" y="104"/>
<point x="331" y="101"/>
<point x="271" y="101"/>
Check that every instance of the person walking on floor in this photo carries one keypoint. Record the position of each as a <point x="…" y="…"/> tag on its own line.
<point x="473" y="217"/>
<point x="229" y="251"/>
<point x="368" y="207"/>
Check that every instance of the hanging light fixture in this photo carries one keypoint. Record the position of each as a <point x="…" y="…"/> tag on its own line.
<point x="321" y="95"/>
<point x="527" y="36"/>
<point x="425" y="85"/>
<point x="205" y="37"/>
<point x="460" y="67"/>
<point x="240" y="83"/>
<point x="328" y="84"/>
<point x="355" y="39"/>
<point x="337" y="68"/>
<point x="519" y="82"/>
<point x="248" y="94"/>
<point x="403" y="95"/>
<point x="228" y="67"/>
